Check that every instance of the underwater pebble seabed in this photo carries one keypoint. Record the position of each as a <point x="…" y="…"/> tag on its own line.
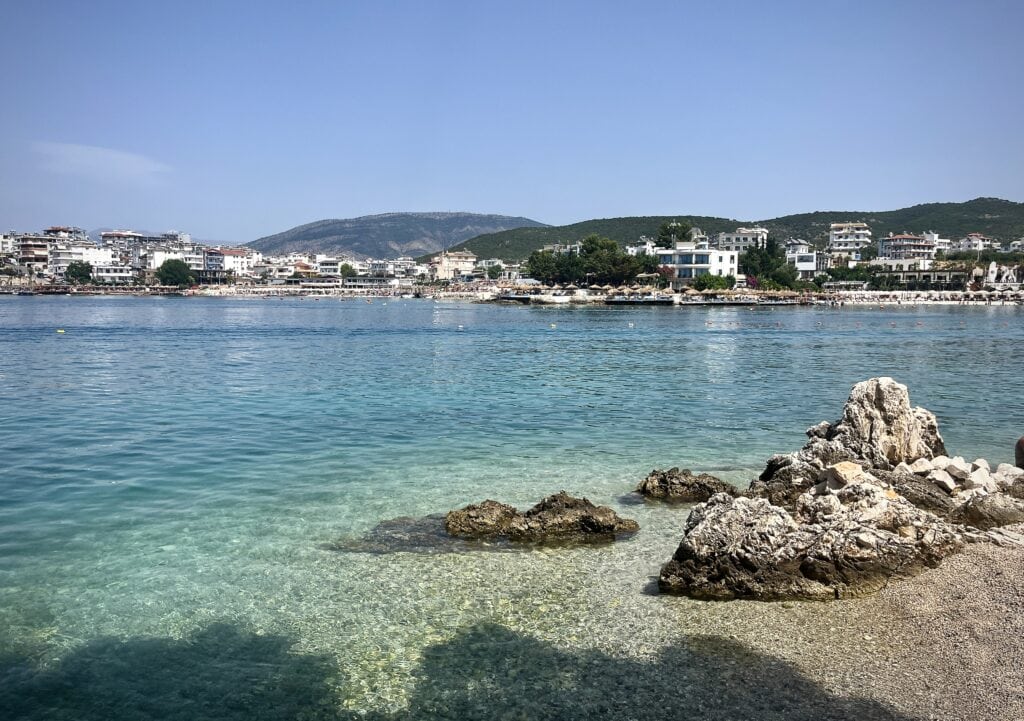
<point x="179" y="472"/>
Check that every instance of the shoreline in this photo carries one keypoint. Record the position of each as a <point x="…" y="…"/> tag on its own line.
<point x="500" y="296"/>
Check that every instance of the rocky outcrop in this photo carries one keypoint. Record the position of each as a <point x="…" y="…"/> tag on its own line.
<point x="878" y="430"/>
<point x="847" y="536"/>
<point x="561" y="518"/>
<point x="1018" y="453"/>
<point x="683" y="486"/>
<point x="989" y="511"/>
<point x="489" y="518"/>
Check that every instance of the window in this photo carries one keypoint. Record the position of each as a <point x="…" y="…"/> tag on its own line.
<point x="702" y="260"/>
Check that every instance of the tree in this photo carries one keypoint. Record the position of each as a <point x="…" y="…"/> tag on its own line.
<point x="175" y="272"/>
<point x="714" y="282"/>
<point x="78" y="272"/>
<point x="347" y="271"/>
<point x="495" y="271"/>
<point x="768" y="265"/>
<point x="671" y="232"/>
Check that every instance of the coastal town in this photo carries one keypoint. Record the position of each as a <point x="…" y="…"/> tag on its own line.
<point x="67" y="259"/>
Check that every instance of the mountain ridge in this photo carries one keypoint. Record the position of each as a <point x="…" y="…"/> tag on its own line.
<point x="388" y="235"/>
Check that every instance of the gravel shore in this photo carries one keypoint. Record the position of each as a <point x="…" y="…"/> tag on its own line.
<point x="948" y="644"/>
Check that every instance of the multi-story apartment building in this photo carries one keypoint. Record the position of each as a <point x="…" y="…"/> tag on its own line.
<point x="848" y="239"/>
<point x="742" y="239"/>
<point x="809" y="263"/>
<point x="977" y="241"/>
<point x="62" y="254"/>
<point x="452" y="265"/>
<point x="906" y="246"/>
<point x="690" y="260"/>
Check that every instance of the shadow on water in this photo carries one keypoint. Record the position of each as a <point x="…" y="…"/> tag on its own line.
<point x="486" y="672"/>
<point x="489" y="672"/>
<point x="219" y="673"/>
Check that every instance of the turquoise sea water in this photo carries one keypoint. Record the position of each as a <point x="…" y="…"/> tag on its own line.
<point x="173" y="468"/>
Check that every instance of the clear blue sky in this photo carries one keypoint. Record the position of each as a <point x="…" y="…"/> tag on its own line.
<point x="232" y="120"/>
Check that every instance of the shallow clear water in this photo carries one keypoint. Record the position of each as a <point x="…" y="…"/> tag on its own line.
<point x="172" y="469"/>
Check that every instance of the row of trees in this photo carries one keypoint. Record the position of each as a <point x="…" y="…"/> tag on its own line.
<point x="599" y="260"/>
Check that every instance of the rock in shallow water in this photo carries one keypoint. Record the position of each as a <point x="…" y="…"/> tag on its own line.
<point x="683" y="486"/>
<point x="560" y="518"/>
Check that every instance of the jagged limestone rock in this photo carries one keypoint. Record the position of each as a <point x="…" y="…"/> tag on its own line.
<point x="683" y="486"/>
<point x="878" y="429"/>
<point x="837" y="543"/>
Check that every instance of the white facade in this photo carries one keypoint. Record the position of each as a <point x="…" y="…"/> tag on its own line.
<point x="742" y="239"/>
<point x="808" y="263"/>
<point x="646" y="246"/>
<point x="61" y="255"/>
<point x="906" y="247"/>
<point x="848" y="238"/>
<point x="943" y="244"/>
<point x="691" y="260"/>
<point x="453" y="265"/>
<point x="977" y="241"/>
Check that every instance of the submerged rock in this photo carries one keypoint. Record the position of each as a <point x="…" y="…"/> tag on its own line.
<point x="846" y="537"/>
<point x="560" y="517"/>
<point x="683" y="486"/>
<point x="878" y="429"/>
<point x="410" y="534"/>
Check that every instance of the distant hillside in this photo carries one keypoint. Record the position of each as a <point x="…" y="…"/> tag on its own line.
<point x="1001" y="219"/>
<point x="387" y="236"/>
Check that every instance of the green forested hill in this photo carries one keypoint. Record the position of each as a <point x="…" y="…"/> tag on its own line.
<point x="1001" y="219"/>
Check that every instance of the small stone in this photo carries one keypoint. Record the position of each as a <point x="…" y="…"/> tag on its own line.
<point x="922" y="466"/>
<point x="904" y="470"/>
<point x="940" y="462"/>
<point x="981" y="463"/>
<point x="1006" y="475"/>
<point x="958" y="469"/>
<point x="943" y="480"/>
<point x="980" y="478"/>
<point x="840" y="475"/>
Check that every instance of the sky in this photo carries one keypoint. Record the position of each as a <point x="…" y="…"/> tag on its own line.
<point x="235" y="120"/>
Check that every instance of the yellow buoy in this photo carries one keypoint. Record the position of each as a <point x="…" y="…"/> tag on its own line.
<point x="60" y="330"/>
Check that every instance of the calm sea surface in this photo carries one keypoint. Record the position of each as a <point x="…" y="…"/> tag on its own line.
<point x="172" y="470"/>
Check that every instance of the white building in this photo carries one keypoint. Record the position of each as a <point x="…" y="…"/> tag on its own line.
<point x="645" y="246"/>
<point x="809" y="263"/>
<point x="848" y="239"/>
<point x="906" y="246"/>
<point x="690" y="260"/>
<point x="976" y="242"/>
<point x="452" y="265"/>
<point x="62" y="254"/>
<point x="943" y="244"/>
<point x="741" y="239"/>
